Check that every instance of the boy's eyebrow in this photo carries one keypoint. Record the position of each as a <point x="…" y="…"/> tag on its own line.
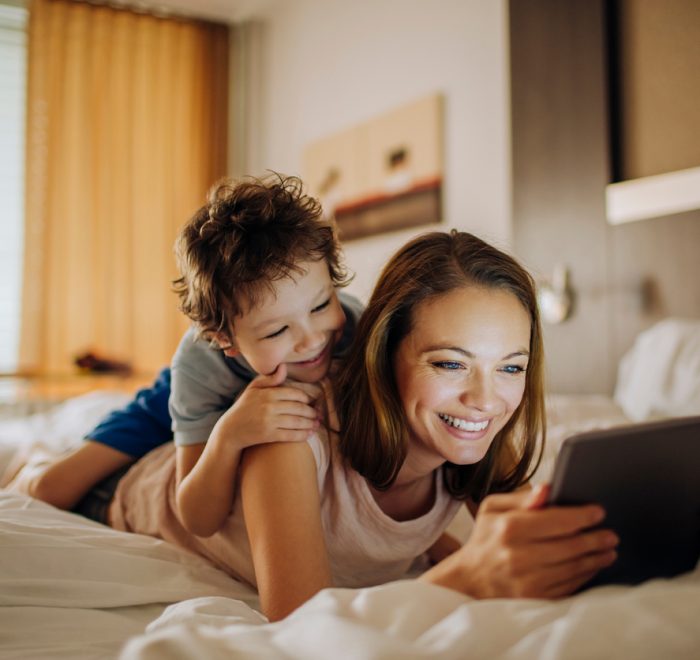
<point x="325" y="289"/>
<point x="520" y="353"/>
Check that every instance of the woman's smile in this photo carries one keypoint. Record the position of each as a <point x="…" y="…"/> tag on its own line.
<point x="464" y="424"/>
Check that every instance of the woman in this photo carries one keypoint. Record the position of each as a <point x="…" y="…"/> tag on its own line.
<point x="439" y="403"/>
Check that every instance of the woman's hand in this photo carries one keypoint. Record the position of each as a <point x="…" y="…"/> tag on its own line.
<point x="443" y="548"/>
<point x="518" y="549"/>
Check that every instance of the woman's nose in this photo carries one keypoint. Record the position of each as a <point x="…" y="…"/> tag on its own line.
<point x="478" y="393"/>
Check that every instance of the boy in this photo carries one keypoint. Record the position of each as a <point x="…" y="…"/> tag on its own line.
<point x="259" y="270"/>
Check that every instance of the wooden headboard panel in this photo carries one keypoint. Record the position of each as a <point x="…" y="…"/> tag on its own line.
<point x="625" y="277"/>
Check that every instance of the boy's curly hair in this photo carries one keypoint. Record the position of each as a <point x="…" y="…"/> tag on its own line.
<point x="251" y="233"/>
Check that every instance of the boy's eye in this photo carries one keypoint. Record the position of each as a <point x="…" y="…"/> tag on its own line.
<point x="276" y="333"/>
<point x="322" y="306"/>
<point x="514" y="369"/>
<point x="448" y="365"/>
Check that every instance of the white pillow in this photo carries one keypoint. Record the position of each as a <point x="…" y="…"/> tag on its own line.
<point x="660" y="375"/>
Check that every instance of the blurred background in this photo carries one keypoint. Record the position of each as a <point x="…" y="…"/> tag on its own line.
<point x="564" y="131"/>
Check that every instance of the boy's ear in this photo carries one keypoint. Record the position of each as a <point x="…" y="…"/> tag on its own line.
<point x="228" y="346"/>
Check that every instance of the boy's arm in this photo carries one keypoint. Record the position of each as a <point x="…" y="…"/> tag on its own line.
<point x="265" y="412"/>
<point x="281" y="505"/>
<point x="205" y="484"/>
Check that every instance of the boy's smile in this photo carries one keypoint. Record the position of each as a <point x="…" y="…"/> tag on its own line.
<point x="296" y="323"/>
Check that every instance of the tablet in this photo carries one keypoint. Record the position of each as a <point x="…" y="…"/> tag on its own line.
<point x="647" y="477"/>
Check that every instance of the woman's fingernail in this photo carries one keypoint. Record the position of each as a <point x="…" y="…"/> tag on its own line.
<point x="611" y="538"/>
<point x="598" y="514"/>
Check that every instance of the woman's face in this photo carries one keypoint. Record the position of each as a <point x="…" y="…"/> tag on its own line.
<point x="460" y="373"/>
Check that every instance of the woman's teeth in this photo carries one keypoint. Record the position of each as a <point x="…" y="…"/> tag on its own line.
<point x="463" y="424"/>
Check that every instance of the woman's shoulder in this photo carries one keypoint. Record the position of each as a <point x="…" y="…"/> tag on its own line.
<point x="320" y="444"/>
<point x="279" y="458"/>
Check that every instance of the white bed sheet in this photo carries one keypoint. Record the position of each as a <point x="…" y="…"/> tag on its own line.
<point x="71" y="588"/>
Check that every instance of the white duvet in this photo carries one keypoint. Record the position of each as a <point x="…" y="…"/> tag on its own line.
<point x="71" y="588"/>
<point x="413" y="620"/>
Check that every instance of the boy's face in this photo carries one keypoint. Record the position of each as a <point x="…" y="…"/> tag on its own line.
<point x="298" y="324"/>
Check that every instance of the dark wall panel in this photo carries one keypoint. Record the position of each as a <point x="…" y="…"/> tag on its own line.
<point x="560" y="169"/>
<point x="625" y="277"/>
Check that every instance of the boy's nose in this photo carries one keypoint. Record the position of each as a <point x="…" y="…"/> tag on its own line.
<point x="309" y="341"/>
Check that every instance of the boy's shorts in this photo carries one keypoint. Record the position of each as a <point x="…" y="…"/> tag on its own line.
<point x="95" y="505"/>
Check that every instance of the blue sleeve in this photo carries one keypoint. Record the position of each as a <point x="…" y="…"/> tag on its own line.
<point x="142" y="425"/>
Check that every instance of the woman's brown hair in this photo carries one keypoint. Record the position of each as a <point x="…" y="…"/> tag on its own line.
<point x="374" y="434"/>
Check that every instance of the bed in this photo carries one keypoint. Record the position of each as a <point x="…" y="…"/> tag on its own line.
<point x="71" y="588"/>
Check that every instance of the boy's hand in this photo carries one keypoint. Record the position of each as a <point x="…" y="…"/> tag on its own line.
<point x="269" y="410"/>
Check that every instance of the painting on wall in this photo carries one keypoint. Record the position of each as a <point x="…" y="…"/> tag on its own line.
<point x="383" y="175"/>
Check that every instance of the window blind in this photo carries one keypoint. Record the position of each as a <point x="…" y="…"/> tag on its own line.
<point x="13" y="48"/>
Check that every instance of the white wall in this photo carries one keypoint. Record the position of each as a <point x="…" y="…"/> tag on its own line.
<point x="325" y="65"/>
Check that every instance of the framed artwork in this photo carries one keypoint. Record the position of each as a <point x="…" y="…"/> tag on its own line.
<point x="383" y="175"/>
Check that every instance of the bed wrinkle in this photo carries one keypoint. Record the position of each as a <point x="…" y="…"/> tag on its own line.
<point x="415" y="620"/>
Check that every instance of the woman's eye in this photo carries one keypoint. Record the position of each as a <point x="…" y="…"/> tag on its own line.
<point x="322" y="306"/>
<point x="513" y="369"/>
<point x="448" y="365"/>
<point x="275" y="334"/>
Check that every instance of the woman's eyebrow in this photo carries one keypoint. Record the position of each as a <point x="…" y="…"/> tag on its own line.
<point x="444" y="347"/>
<point x="520" y="353"/>
<point x="468" y="354"/>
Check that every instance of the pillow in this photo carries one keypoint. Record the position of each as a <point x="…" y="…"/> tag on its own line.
<point x="660" y="375"/>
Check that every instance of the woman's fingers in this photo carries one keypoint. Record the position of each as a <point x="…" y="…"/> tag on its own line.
<point x="520" y="547"/>
<point x="538" y="497"/>
<point x="565" y="579"/>
<point x="568" y="549"/>
<point x="503" y="502"/>
<point x="523" y="526"/>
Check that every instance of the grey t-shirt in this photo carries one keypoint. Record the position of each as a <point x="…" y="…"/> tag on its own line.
<point x="205" y="382"/>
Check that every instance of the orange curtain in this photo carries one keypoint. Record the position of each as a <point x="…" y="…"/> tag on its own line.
<point x="126" y="124"/>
